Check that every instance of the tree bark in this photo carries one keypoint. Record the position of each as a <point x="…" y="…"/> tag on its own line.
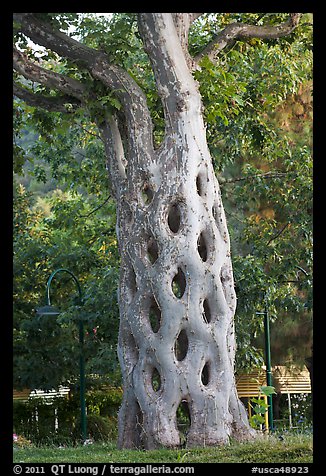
<point x="176" y="298"/>
<point x="235" y="31"/>
<point x="176" y="295"/>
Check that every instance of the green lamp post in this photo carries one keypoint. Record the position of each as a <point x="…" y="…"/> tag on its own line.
<point x="49" y="310"/>
<point x="269" y="377"/>
<point x="268" y="362"/>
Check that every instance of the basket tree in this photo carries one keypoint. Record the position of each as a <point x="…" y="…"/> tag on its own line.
<point x="176" y="295"/>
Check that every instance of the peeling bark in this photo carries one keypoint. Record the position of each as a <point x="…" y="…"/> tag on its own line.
<point x="235" y="31"/>
<point x="172" y="204"/>
<point x="176" y="294"/>
<point x="46" y="77"/>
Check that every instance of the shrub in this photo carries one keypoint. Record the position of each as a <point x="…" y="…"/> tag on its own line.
<point x="57" y="422"/>
<point x="99" y="428"/>
<point x="20" y="441"/>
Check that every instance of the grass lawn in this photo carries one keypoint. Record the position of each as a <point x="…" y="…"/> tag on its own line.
<point x="269" y="449"/>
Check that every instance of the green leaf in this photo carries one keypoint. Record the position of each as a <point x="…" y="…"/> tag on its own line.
<point x="262" y="409"/>
<point x="257" y="420"/>
<point x="115" y="103"/>
<point x="267" y="390"/>
<point x="238" y="100"/>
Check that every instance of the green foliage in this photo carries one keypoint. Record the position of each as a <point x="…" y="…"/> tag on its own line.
<point x="267" y="390"/>
<point x="99" y="428"/>
<point x="116" y="35"/>
<point x="104" y="401"/>
<point x="63" y="231"/>
<point x="59" y="20"/>
<point x="239" y="92"/>
<point x="301" y="412"/>
<point x="71" y="153"/>
<point x="221" y="92"/>
<point x="259" y="406"/>
<point x="257" y="99"/>
<point x="102" y="407"/>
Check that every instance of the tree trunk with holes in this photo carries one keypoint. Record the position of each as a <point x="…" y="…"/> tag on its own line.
<point x="177" y="299"/>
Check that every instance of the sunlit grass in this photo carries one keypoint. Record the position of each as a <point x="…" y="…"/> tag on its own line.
<point x="292" y="449"/>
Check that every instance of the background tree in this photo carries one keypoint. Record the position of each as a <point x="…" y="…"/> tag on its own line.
<point x="157" y="180"/>
<point x="51" y="233"/>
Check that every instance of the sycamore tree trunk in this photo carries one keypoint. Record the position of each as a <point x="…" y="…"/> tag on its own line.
<point x="176" y="295"/>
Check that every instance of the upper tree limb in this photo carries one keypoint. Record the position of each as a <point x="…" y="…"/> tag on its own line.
<point x="114" y="77"/>
<point x="46" y="77"/>
<point x="235" y="31"/>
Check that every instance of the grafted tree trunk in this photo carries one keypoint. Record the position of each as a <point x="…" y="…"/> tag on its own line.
<point x="177" y="298"/>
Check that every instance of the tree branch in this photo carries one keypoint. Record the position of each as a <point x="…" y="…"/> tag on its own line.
<point x="45" y="35"/>
<point x="91" y="133"/>
<point x="95" y="209"/>
<point x="182" y="22"/>
<point x="116" y="164"/>
<point x="278" y="233"/>
<point x="50" y="103"/>
<point x="266" y="175"/>
<point x="175" y="83"/>
<point x="194" y="16"/>
<point x="236" y="31"/>
<point x="48" y="78"/>
<point x="95" y="61"/>
<point x="113" y="76"/>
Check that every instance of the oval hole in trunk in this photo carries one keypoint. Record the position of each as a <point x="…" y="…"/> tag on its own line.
<point x="174" y="217"/>
<point x="181" y="345"/>
<point x="179" y="284"/>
